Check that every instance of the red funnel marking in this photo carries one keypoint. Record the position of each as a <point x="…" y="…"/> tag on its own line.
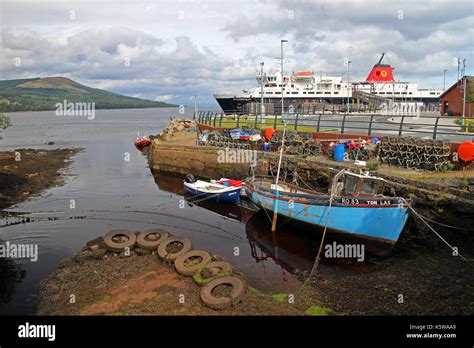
<point x="382" y="73"/>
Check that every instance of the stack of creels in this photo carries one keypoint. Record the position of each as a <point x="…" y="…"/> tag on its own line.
<point x="296" y="144"/>
<point x="363" y="153"/>
<point x="413" y="153"/>
<point x="222" y="140"/>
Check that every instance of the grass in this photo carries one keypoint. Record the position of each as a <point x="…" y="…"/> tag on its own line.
<point x="316" y="310"/>
<point x="250" y="123"/>
<point x="468" y="125"/>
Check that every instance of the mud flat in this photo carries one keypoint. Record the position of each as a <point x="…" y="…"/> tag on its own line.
<point x="27" y="172"/>
<point x="107" y="283"/>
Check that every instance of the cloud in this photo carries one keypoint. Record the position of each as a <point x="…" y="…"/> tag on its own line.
<point x="178" y="49"/>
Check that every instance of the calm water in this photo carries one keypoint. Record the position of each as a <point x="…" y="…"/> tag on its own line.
<point x="100" y="179"/>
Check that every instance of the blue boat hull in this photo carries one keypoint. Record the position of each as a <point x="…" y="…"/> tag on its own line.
<point x="228" y="197"/>
<point x="376" y="219"/>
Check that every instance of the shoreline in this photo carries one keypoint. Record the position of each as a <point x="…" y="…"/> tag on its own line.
<point x="28" y="172"/>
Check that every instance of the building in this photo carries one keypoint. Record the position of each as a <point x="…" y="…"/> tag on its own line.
<point x="452" y="98"/>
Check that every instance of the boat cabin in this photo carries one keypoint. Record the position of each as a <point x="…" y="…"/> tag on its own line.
<point x="358" y="185"/>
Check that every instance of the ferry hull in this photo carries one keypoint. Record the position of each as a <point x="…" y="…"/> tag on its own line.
<point x="233" y="104"/>
<point x="367" y="220"/>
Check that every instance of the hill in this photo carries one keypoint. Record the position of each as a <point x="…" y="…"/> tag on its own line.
<point x="43" y="93"/>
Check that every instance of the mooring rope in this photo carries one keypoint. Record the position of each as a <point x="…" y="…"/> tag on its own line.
<point x="436" y="233"/>
<point x="318" y="256"/>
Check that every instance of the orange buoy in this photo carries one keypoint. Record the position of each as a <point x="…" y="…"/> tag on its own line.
<point x="269" y="132"/>
<point x="466" y="151"/>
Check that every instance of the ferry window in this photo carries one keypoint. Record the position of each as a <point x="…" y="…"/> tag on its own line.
<point x="369" y="187"/>
<point x="294" y="92"/>
<point x="410" y="93"/>
<point x="381" y="92"/>
<point x="404" y="92"/>
<point x="304" y="92"/>
<point x="397" y="92"/>
<point x="336" y="92"/>
<point x="277" y="92"/>
<point x="327" y="92"/>
<point x="269" y="92"/>
<point x="287" y="92"/>
<point x="292" y="86"/>
<point x="350" y="185"/>
<point x="310" y="92"/>
<point x="432" y="92"/>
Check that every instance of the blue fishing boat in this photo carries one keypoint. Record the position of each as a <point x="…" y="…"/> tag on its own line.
<point x="354" y="205"/>
<point x="206" y="191"/>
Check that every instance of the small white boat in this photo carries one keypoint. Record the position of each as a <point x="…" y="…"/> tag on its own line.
<point x="205" y="190"/>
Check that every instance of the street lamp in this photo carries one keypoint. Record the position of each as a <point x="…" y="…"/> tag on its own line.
<point x="282" y="89"/>
<point x="444" y="79"/>
<point x="348" y="83"/>
<point x="261" y="96"/>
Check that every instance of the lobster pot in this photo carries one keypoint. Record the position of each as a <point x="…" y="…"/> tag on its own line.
<point x="339" y="152"/>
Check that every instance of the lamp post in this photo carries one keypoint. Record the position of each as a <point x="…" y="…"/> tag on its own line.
<point x="282" y="88"/>
<point x="348" y="83"/>
<point x="261" y="90"/>
<point x="464" y="77"/>
<point x="444" y="79"/>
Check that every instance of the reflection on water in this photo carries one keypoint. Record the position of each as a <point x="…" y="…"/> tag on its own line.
<point x="113" y="192"/>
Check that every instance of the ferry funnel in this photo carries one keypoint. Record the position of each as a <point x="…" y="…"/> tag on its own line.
<point x="381" y="72"/>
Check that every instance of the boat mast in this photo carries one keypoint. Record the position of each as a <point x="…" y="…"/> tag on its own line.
<point x="282" y="80"/>
<point x="277" y="191"/>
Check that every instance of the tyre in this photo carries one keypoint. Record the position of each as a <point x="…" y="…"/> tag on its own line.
<point x="171" y="256"/>
<point x="236" y="295"/>
<point x="189" y="270"/>
<point x="214" y="270"/>
<point x="150" y="239"/>
<point x="119" y="240"/>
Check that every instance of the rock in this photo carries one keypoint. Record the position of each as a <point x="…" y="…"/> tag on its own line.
<point x="94" y="247"/>
<point x="98" y="254"/>
<point x="50" y="143"/>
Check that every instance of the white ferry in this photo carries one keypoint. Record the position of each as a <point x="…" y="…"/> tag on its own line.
<point x="307" y="87"/>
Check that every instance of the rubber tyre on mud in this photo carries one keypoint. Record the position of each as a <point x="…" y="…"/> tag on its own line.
<point x="145" y="244"/>
<point x="164" y="255"/>
<point x="181" y="268"/>
<point x="224" y="268"/>
<point x="238" y="292"/>
<point x="119" y="246"/>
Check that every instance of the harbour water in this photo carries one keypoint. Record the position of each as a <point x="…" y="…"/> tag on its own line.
<point x="110" y="184"/>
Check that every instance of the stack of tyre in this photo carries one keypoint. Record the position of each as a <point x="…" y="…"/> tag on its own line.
<point x="207" y="270"/>
<point x="414" y="153"/>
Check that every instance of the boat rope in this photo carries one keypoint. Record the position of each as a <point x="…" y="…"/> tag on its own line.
<point x="445" y="225"/>
<point x="436" y="233"/>
<point x="313" y="271"/>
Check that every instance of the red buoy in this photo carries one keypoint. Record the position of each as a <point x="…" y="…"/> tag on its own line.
<point x="466" y="151"/>
<point x="269" y="132"/>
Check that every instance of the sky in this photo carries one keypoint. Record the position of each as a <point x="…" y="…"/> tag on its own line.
<point x="173" y="50"/>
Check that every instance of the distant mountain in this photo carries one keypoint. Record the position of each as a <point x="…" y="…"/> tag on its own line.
<point x="43" y="94"/>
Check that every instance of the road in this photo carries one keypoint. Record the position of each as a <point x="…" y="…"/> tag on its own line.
<point x="382" y="126"/>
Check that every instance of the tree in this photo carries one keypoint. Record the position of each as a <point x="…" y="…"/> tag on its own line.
<point x="4" y="122"/>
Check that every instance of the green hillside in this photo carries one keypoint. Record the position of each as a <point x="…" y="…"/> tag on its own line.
<point x="43" y="94"/>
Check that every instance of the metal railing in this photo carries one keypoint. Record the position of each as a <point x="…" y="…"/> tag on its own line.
<point x="371" y="124"/>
